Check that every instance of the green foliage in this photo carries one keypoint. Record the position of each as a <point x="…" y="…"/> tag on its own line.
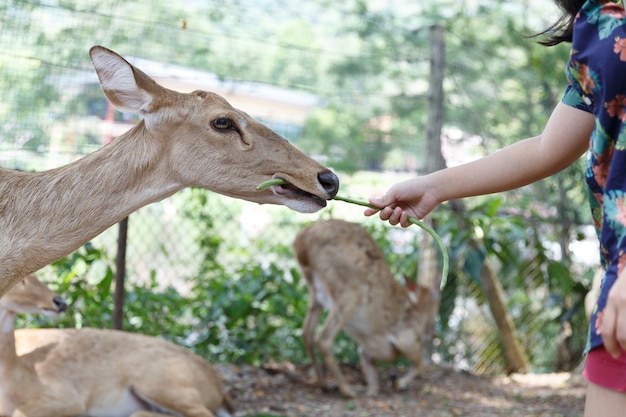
<point x="84" y="279"/>
<point x="251" y="316"/>
<point x="346" y="138"/>
<point x="248" y="309"/>
<point x="541" y="293"/>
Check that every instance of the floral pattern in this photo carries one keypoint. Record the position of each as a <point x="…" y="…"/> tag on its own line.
<point x="620" y="48"/>
<point x="597" y="83"/>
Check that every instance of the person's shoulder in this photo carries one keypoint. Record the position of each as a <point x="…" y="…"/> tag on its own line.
<point x="604" y="8"/>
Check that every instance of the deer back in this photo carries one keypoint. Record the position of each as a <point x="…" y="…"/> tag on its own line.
<point x="343" y="264"/>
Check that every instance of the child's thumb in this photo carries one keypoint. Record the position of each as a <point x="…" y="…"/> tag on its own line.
<point x="381" y="201"/>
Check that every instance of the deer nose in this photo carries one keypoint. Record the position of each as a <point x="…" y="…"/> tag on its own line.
<point x="60" y="303"/>
<point x="329" y="181"/>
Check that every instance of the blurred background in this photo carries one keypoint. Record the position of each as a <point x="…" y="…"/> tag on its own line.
<point x="377" y="90"/>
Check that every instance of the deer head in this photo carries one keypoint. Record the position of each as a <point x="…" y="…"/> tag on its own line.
<point x="211" y="144"/>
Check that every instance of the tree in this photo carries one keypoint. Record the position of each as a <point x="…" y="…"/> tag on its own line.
<point x="487" y="92"/>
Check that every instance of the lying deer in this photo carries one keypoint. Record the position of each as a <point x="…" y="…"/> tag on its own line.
<point x="184" y="140"/>
<point x="347" y="275"/>
<point x="100" y="373"/>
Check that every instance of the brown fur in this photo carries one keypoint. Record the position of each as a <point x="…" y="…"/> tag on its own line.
<point x="70" y="372"/>
<point x="348" y="275"/>
<point x="184" y="140"/>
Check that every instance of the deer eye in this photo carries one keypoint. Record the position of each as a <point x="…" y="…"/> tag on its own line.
<point x="222" y="123"/>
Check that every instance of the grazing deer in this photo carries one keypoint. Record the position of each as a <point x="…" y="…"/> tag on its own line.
<point x="347" y="274"/>
<point x="99" y="373"/>
<point x="184" y="140"/>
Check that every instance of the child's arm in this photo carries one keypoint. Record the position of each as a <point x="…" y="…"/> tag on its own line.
<point x="564" y="140"/>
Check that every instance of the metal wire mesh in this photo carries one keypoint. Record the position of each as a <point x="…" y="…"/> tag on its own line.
<point x="52" y="112"/>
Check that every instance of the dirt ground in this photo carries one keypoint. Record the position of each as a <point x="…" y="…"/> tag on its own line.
<point x="287" y="390"/>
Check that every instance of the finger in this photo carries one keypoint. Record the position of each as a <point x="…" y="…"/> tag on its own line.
<point x="620" y="330"/>
<point x="404" y="219"/>
<point x="607" y="330"/>
<point x="396" y="216"/>
<point x="382" y="201"/>
<point x="370" y="211"/>
<point x="385" y="213"/>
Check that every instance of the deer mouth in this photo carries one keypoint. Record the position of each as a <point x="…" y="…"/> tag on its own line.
<point x="49" y="312"/>
<point x="291" y="191"/>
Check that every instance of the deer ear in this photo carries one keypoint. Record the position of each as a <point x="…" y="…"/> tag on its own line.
<point x="126" y="87"/>
<point x="411" y="285"/>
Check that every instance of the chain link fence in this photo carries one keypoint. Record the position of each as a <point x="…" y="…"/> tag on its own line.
<point x="53" y="112"/>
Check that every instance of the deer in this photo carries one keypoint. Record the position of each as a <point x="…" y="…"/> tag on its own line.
<point x="184" y="140"/>
<point x="347" y="275"/>
<point x="96" y="372"/>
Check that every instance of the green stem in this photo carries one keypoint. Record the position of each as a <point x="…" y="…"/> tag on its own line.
<point x="413" y="220"/>
<point x="269" y="183"/>
<point x="419" y="223"/>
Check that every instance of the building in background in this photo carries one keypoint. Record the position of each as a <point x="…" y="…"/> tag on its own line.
<point x="85" y="120"/>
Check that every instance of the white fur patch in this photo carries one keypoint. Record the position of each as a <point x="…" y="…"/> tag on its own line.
<point x="125" y="405"/>
<point x="321" y="293"/>
<point x="115" y="74"/>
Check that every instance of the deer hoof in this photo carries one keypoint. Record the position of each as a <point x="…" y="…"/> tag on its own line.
<point x="372" y="392"/>
<point x="328" y="387"/>
<point x="347" y="392"/>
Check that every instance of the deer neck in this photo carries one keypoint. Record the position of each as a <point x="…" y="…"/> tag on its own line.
<point x="14" y="372"/>
<point x="8" y="356"/>
<point x="7" y="323"/>
<point x="104" y="187"/>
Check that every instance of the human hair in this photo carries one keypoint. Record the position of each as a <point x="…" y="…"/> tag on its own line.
<point x="561" y="30"/>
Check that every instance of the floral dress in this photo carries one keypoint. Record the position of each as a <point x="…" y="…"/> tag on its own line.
<point x="597" y="83"/>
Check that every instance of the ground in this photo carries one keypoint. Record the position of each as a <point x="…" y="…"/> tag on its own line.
<point x="287" y="390"/>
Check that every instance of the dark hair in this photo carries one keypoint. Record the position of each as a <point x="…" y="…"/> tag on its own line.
<point x="561" y="30"/>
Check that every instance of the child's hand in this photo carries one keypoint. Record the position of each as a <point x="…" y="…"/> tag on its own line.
<point x="412" y="197"/>
<point x="613" y="325"/>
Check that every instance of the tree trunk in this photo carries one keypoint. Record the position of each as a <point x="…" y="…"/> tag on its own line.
<point x="434" y="125"/>
<point x="429" y="269"/>
<point x="514" y="356"/>
<point x="429" y="273"/>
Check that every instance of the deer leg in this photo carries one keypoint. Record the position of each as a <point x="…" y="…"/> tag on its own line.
<point x="200" y="412"/>
<point x="46" y="406"/>
<point x="403" y="382"/>
<point x="144" y="413"/>
<point x="308" y="336"/>
<point x="409" y="342"/>
<point x="415" y="356"/>
<point x="368" y="367"/>
<point x="335" y="321"/>
<point x="184" y="401"/>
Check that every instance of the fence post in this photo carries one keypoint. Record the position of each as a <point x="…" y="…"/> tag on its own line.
<point x="429" y="271"/>
<point x="120" y="274"/>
